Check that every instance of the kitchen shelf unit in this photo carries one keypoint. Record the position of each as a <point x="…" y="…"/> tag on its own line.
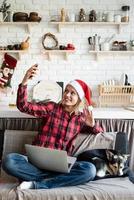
<point x="119" y="25"/>
<point x="17" y="52"/>
<point x="100" y="53"/>
<point x="27" y="24"/>
<point x="64" y="52"/>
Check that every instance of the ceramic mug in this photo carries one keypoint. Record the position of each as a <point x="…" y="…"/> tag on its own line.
<point x="105" y="46"/>
<point x="117" y="18"/>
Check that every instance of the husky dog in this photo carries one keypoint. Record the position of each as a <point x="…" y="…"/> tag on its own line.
<point x="107" y="161"/>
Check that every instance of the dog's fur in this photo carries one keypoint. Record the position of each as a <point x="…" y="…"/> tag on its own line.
<point x="107" y="162"/>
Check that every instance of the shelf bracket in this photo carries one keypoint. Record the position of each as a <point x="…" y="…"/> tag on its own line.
<point x="59" y="28"/>
<point x="66" y="56"/>
<point x="19" y="56"/>
<point x="48" y="56"/>
<point x="96" y="56"/>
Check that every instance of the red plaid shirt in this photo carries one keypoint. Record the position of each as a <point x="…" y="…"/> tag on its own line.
<point x="59" y="129"/>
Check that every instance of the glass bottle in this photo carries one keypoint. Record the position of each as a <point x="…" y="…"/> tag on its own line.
<point x="125" y="12"/>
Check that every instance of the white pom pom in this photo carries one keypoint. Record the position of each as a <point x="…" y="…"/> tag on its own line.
<point x="90" y="108"/>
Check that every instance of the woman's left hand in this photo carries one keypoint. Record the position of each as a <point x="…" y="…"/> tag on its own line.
<point x="88" y="117"/>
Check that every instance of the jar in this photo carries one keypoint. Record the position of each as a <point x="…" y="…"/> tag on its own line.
<point x="71" y="17"/>
<point x="125" y="10"/>
<point x="104" y="16"/>
<point x="99" y="16"/>
<point x="9" y="16"/>
<point x="110" y="16"/>
<point x="117" y="18"/>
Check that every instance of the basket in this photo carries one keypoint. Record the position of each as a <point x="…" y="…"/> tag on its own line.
<point x="116" y="95"/>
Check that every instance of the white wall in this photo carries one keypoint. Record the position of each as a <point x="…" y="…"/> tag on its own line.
<point x="79" y="65"/>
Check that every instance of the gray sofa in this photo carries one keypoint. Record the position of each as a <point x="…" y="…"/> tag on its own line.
<point x="105" y="189"/>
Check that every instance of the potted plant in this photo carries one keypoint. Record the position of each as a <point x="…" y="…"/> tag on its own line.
<point x="4" y="8"/>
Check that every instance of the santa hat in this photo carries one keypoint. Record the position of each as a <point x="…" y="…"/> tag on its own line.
<point x="82" y="89"/>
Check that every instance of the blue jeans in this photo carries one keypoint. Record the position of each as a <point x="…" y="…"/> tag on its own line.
<point x="18" y="166"/>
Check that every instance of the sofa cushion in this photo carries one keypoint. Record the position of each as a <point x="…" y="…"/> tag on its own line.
<point x="14" y="141"/>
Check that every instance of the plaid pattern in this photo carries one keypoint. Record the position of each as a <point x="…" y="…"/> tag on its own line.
<point x="59" y="128"/>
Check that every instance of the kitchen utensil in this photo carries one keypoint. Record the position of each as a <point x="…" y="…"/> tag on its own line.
<point x="33" y="17"/>
<point x="52" y="91"/>
<point x="90" y="40"/>
<point x="123" y="79"/>
<point x="25" y="45"/>
<point x="20" y="16"/>
<point x="109" y="39"/>
<point x="105" y="46"/>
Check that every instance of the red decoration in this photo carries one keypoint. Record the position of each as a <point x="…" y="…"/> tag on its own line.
<point x="70" y="47"/>
<point x="7" y="70"/>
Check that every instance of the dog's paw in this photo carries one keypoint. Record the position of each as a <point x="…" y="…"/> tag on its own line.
<point x="100" y="173"/>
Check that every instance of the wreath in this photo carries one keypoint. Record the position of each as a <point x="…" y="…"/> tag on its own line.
<point x="50" y="35"/>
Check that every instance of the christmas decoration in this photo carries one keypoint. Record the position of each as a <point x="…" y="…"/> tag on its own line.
<point x="54" y="39"/>
<point x="7" y="70"/>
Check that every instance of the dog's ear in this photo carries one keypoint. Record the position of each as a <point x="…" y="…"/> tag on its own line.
<point x="125" y="156"/>
<point x="109" y="154"/>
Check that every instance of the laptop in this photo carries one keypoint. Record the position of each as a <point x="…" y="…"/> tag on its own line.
<point x="50" y="159"/>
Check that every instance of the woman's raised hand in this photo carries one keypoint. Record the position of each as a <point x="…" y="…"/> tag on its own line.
<point x="89" y="119"/>
<point x="31" y="72"/>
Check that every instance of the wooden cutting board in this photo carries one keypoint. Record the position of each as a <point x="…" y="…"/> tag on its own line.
<point x="47" y="90"/>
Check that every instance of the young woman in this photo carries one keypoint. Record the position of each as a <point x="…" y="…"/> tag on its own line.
<point x="62" y="122"/>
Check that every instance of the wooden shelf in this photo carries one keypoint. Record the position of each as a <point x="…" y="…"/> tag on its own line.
<point x="100" y="53"/>
<point x="17" y="52"/>
<point x="64" y="52"/>
<point x="27" y="24"/>
<point x="61" y="24"/>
